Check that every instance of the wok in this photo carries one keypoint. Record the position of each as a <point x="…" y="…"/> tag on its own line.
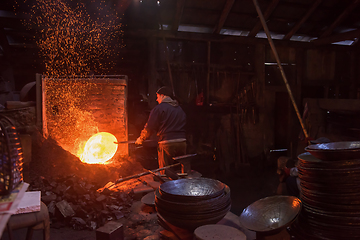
<point x="190" y="190"/>
<point x="271" y="214"/>
<point x="335" y="150"/>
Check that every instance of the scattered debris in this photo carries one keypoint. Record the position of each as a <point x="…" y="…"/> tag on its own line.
<point x="75" y="202"/>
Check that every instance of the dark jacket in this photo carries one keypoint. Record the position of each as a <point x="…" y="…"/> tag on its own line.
<point x="168" y="120"/>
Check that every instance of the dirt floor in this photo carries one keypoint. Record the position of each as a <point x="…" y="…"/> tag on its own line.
<point x="140" y="224"/>
<point x="139" y="221"/>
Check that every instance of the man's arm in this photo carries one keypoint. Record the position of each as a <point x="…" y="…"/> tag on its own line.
<point x="149" y="127"/>
<point x="143" y="135"/>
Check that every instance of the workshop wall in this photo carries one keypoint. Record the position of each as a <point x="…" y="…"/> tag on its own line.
<point x="236" y="101"/>
<point x="246" y="110"/>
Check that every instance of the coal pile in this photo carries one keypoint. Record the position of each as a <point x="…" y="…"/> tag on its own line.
<point x="78" y="203"/>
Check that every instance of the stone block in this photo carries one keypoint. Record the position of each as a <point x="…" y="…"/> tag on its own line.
<point x="110" y="231"/>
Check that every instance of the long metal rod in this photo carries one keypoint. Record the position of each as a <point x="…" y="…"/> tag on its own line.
<point x="263" y="22"/>
<point x="144" y="173"/>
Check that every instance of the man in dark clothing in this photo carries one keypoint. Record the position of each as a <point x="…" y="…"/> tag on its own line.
<point x="168" y="120"/>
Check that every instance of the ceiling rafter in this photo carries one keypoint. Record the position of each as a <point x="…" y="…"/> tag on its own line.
<point x="224" y="14"/>
<point x="302" y="20"/>
<point x="340" y="18"/>
<point x="350" y="35"/>
<point x="180" y="4"/>
<point x="266" y="14"/>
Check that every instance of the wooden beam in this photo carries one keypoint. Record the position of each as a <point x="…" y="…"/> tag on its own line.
<point x="302" y="20"/>
<point x="338" y="37"/>
<point x="267" y="14"/>
<point x="179" y="11"/>
<point x="204" y="37"/>
<point x="340" y="18"/>
<point x="224" y="14"/>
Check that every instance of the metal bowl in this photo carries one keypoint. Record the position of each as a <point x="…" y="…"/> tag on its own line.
<point x="192" y="224"/>
<point x="335" y="150"/>
<point x="191" y="189"/>
<point x="271" y="214"/>
<point x="149" y="199"/>
<point x="195" y="215"/>
<point x="190" y="203"/>
<point x="307" y="160"/>
<point x="200" y="206"/>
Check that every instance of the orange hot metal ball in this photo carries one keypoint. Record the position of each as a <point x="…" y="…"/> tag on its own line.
<point x="99" y="148"/>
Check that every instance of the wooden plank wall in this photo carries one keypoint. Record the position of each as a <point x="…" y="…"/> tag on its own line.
<point x="308" y="68"/>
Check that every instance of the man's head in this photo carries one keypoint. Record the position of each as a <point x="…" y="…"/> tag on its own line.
<point x="162" y="93"/>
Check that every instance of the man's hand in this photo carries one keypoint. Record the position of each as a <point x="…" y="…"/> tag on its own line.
<point x="143" y="135"/>
<point x="138" y="141"/>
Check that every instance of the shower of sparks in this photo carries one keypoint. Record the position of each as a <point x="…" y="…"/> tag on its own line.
<point x="75" y="38"/>
<point x="73" y="41"/>
<point x="67" y="121"/>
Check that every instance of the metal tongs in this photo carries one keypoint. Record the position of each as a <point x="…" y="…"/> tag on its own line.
<point x="133" y="142"/>
<point x="129" y="142"/>
<point x="123" y="142"/>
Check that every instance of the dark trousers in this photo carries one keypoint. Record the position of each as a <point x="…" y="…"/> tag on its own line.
<point x="166" y="152"/>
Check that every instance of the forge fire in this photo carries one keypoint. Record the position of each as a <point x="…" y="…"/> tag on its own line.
<point x="85" y="116"/>
<point x="99" y="148"/>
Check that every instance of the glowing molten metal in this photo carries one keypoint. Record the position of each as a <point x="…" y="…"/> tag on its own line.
<point x="99" y="148"/>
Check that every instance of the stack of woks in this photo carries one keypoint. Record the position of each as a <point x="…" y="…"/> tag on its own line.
<point x="330" y="192"/>
<point x="190" y="203"/>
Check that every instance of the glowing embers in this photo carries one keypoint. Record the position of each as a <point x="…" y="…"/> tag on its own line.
<point x="99" y="148"/>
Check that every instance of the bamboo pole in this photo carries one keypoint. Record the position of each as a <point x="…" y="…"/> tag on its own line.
<point x="262" y="19"/>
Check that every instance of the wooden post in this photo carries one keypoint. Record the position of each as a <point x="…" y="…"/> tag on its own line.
<point x="208" y="72"/>
<point x="352" y="90"/>
<point x="38" y="101"/>
<point x="168" y="64"/>
<point x="152" y="87"/>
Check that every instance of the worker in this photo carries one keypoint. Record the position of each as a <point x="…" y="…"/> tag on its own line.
<point x="168" y="121"/>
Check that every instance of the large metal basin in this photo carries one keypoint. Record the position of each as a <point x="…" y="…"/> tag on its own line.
<point x="335" y="150"/>
<point x="191" y="189"/>
<point x="271" y="214"/>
